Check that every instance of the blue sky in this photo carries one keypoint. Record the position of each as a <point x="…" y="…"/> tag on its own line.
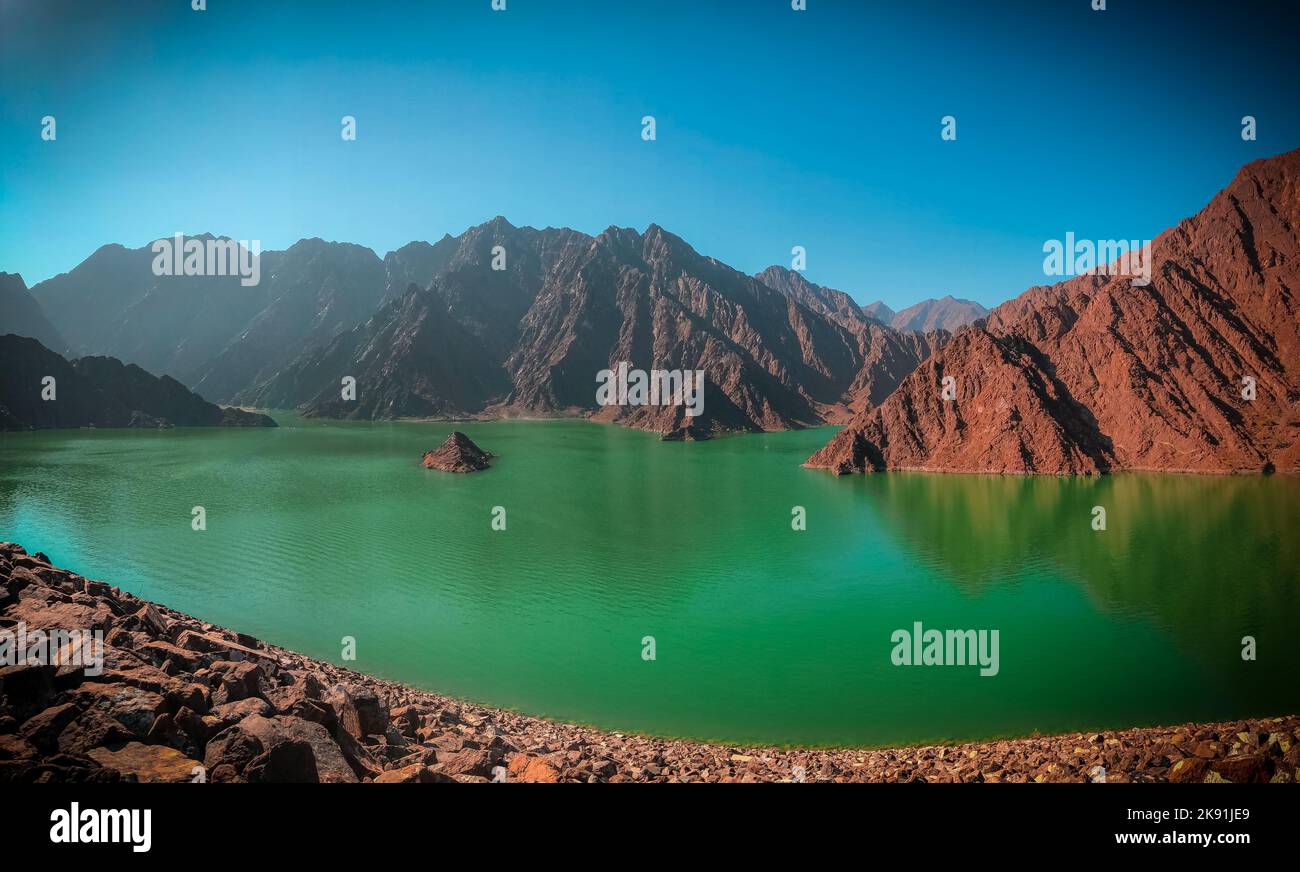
<point x="775" y="128"/>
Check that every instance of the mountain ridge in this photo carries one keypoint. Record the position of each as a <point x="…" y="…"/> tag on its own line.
<point x="1097" y="373"/>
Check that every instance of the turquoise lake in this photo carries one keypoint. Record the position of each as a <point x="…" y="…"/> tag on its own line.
<point x="764" y="634"/>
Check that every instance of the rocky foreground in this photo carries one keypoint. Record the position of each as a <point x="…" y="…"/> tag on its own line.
<point x="182" y="700"/>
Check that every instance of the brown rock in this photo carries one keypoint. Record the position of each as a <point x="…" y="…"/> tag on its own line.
<point x="1245" y="769"/>
<point x="414" y="774"/>
<point x="43" y="729"/>
<point x="468" y="762"/>
<point x="1188" y="770"/>
<point x="16" y="748"/>
<point x="147" y="763"/>
<point x="457" y="454"/>
<point x="292" y="761"/>
<point x="360" y="711"/>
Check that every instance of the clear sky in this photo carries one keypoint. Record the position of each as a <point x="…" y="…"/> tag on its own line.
<point x="775" y="128"/>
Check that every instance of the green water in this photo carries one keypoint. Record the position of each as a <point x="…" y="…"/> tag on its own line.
<point x="316" y="531"/>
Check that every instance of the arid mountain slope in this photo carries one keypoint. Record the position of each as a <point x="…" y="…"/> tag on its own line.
<point x="886" y="355"/>
<point x="1097" y="373"/>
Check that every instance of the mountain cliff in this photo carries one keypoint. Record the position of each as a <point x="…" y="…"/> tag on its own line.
<point x="1098" y="373"/>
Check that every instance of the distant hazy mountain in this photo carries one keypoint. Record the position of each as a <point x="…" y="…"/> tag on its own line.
<point x="946" y="313"/>
<point x="22" y="315"/>
<point x="98" y="392"/>
<point x="310" y="293"/>
<point x="880" y="312"/>
<point x="211" y="332"/>
<point x="1199" y="370"/>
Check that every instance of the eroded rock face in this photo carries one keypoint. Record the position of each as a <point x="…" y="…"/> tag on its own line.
<point x="151" y="717"/>
<point x="1097" y="373"/>
<point x="457" y="454"/>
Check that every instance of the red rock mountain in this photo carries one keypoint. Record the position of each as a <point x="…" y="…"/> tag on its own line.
<point x="1097" y="374"/>
<point x="886" y="355"/>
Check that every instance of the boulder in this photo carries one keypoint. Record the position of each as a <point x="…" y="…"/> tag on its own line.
<point x="359" y="711"/>
<point x="146" y="763"/>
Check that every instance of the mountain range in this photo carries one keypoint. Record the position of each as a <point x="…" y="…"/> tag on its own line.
<point x="1088" y="375"/>
<point x="946" y="313"/>
<point x="433" y="330"/>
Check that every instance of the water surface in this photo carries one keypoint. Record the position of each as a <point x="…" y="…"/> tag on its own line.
<point x="320" y="530"/>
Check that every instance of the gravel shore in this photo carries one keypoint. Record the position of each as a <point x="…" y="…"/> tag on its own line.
<point x="179" y="699"/>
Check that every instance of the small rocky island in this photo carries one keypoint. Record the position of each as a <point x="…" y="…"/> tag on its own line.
<point x="457" y="454"/>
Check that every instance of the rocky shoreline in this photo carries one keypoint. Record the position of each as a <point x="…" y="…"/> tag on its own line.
<point x="179" y="699"/>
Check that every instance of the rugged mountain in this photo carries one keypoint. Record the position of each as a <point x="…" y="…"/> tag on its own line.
<point x="531" y="338"/>
<point x="416" y="263"/>
<point x="311" y="292"/>
<point x="946" y="313"/>
<point x="500" y="320"/>
<point x="212" y="332"/>
<point x="20" y="314"/>
<point x="113" y="304"/>
<point x="432" y="351"/>
<point x="410" y="359"/>
<point x="1099" y="373"/>
<point x="879" y="311"/>
<point x="769" y="362"/>
<point x="886" y="355"/>
<point x="98" y="392"/>
<point x="834" y="304"/>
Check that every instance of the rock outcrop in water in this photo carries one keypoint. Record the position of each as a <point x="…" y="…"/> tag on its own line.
<point x="1197" y="371"/>
<point x="179" y="698"/>
<point x="457" y="454"/>
<point x="98" y="392"/>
